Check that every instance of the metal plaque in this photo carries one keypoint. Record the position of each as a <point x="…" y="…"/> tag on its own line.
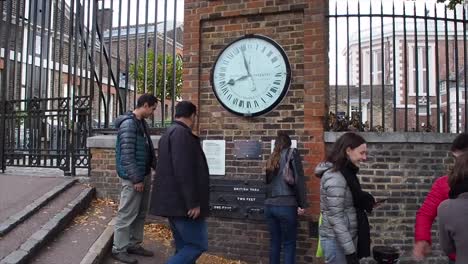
<point x="247" y="149"/>
<point x="237" y="199"/>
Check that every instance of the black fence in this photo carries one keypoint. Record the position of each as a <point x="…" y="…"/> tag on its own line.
<point x="68" y="68"/>
<point x="398" y="66"/>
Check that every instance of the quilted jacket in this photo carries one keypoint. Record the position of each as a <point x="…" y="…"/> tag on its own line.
<point x="134" y="149"/>
<point x="339" y="220"/>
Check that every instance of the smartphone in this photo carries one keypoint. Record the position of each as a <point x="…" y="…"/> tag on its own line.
<point x="379" y="201"/>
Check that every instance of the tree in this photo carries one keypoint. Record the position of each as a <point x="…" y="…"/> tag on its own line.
<point x="451" y="3"/>
<point x="140" y="78"/>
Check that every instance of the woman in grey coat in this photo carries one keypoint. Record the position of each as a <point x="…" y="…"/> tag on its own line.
<point x="454" y="212"/>
<point x="344" y="232"/>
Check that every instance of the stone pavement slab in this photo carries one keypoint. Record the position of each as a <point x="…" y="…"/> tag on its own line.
<point x="16" y="192"/>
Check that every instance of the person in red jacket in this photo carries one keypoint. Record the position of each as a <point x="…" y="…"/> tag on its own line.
<point x="428" y="211"/>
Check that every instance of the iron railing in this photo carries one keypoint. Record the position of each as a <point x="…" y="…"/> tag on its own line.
<point x="398" y="66"/>
<point x="69" y="67"/>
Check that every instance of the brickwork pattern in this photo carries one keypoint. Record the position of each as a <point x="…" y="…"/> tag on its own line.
<point x="300" y="27"/>
<point x="103" y="174"/>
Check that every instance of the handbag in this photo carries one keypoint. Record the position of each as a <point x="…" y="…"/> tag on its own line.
<point x="288" y="172"/>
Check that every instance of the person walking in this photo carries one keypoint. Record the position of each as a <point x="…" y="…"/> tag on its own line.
<point x="428" y="211"/>
<point x="453" y="212"/>
<point x="134" y="160"/>
<point x="344" y="232"/>
<point x="286" y="199"/>
<point x="181" y="187"/>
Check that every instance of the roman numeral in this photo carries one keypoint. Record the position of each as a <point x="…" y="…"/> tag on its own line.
<point x="236" y="51"/>
<point x="243" y="47"/>
<point x="277" y="82"/>
<point x="275" y="59"/>
<point x="256" y="103"/>
<point x="279" y="74"/>
<point x="235" y="101"/>
<point x="224" y="90"/>
<point x="230" y="55"/>
<point x="249" y="105"/>
<point x="241" y="103"/>
<point x="274" y="89"/>
<point x="225" y="62"/>
<point x="269" y="95"/>
<point x="264" y="48"/>
<point x="270" y="53"/>
<point x="263" y="100"/>
<point x="229" y="97"/>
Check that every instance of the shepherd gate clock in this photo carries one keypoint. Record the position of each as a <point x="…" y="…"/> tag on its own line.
<point x="251" y="75"/>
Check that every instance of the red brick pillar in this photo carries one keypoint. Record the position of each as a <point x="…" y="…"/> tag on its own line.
<point x="301" y="28"/>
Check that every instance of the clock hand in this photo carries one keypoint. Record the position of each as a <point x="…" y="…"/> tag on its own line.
<point x="246" y="64"/>
<point x="232" y="81"/>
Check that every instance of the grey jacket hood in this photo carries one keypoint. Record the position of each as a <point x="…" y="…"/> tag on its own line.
<point x="322" y="167"/>
<point x="118" y="121"/>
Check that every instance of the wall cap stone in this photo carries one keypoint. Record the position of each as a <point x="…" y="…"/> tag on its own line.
<point x="108" y="141"/>
<point x="397" y="137"/>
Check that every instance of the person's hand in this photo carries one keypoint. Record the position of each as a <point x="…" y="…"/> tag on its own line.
<point x="139" y="187"/>
<point x="194" y="212"/>
<point x="352" y="259"/>
<point x="421" y="250"/>
<point x="300" y="211"/>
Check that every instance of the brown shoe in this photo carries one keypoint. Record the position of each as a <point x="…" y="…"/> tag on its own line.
<point x="139" y="250"/>
<point x="124" y="257"/>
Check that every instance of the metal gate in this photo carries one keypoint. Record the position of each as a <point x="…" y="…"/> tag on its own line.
<point x="68" y="68"/>
<point x="45" y="91"/>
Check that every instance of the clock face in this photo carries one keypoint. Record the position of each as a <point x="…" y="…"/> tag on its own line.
<point x="251" y="75"/>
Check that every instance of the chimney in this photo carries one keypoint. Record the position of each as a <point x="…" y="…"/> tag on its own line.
<point x="104" y="19"/>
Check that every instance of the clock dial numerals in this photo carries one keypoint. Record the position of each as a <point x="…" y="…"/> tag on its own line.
<point x="251" y="75"/>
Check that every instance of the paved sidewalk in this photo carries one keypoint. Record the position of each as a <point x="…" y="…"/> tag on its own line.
<point x="162" y="253"/>
<point x="18" y="191"/>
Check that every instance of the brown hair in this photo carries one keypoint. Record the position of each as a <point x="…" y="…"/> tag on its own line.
<point x="337" y="155"/>
<point x="460" y="170"/>
<point x="282" y="141"/>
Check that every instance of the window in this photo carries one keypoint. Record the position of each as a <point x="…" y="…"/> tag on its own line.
<point x="377" y="65"/>
<point x="418" y="67"/>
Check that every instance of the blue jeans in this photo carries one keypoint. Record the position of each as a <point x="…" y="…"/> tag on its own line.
<point x="190" y="238"/>
<point x="332" y="251"/>
<point x="282" y="224"/>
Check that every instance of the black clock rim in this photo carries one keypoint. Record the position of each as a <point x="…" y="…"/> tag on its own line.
<point x="286" y="84"/>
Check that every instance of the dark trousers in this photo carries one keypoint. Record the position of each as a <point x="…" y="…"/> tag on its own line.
<point x="190" y="238"/>
<point x="282" y="224"/>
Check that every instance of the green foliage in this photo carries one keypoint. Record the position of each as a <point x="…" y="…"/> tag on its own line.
<point x="140" y="78"/>
<point x="451" y="3"/>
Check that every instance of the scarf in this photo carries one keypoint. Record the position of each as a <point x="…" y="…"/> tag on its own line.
<point x="458" y="189"/>
<point x="363" y="202"/>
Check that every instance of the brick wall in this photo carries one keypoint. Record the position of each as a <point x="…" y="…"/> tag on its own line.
<point x="301" y="28"/>
<point x="402" y="168"/>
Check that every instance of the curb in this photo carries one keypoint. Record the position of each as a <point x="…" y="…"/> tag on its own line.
<point x="97" y="251"/>
<point x="50" y="229"/>
<point x="30" y="209"/>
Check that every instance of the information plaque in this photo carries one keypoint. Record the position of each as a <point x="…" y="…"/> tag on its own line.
<point x="215" y="152"/>
<point x="247" y="149"/>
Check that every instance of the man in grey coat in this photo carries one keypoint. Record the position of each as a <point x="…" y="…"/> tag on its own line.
<point x="134" y="160"/>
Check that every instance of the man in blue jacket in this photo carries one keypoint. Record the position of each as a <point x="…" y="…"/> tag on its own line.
<point x="134" y="160"/>
<point x="181" y="187"/>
